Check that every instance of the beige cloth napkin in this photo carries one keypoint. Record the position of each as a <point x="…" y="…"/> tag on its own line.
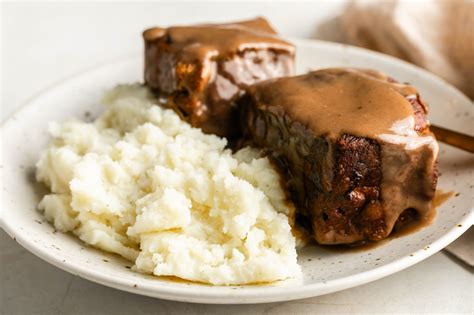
<point x="463" y="247"/>
<point x="437" y="35"/>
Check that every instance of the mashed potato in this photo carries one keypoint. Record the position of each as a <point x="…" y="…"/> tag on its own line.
<point x="141" y="183"/>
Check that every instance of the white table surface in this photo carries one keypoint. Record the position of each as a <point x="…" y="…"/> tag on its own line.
<point x="43" y="43"/>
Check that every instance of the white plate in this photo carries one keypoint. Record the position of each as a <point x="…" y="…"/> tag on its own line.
<point x="325" y="271"/>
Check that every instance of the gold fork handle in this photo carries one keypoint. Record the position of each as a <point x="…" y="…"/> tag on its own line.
<point x="456" y="139"/>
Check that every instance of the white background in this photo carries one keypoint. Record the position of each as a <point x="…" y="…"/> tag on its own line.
<point x="44" y="43"/>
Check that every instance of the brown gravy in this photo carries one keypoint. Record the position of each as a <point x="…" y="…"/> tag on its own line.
<point x="199" y="41"/>
<point x="414" y="226"/>
<point x="337" y="101"/>
<point x="411" y="227"/>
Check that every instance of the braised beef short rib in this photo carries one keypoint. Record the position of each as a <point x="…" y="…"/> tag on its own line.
<point x="354" y="147"/>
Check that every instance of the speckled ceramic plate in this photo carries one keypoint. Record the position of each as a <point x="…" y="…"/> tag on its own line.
<point x="324" y="270"/>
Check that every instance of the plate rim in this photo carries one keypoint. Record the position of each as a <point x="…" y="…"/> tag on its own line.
<point x="270" y="294"/>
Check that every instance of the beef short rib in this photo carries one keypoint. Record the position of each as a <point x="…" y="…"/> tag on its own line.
<point x="353" y="145"/>
<point x="200" y="70"/>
